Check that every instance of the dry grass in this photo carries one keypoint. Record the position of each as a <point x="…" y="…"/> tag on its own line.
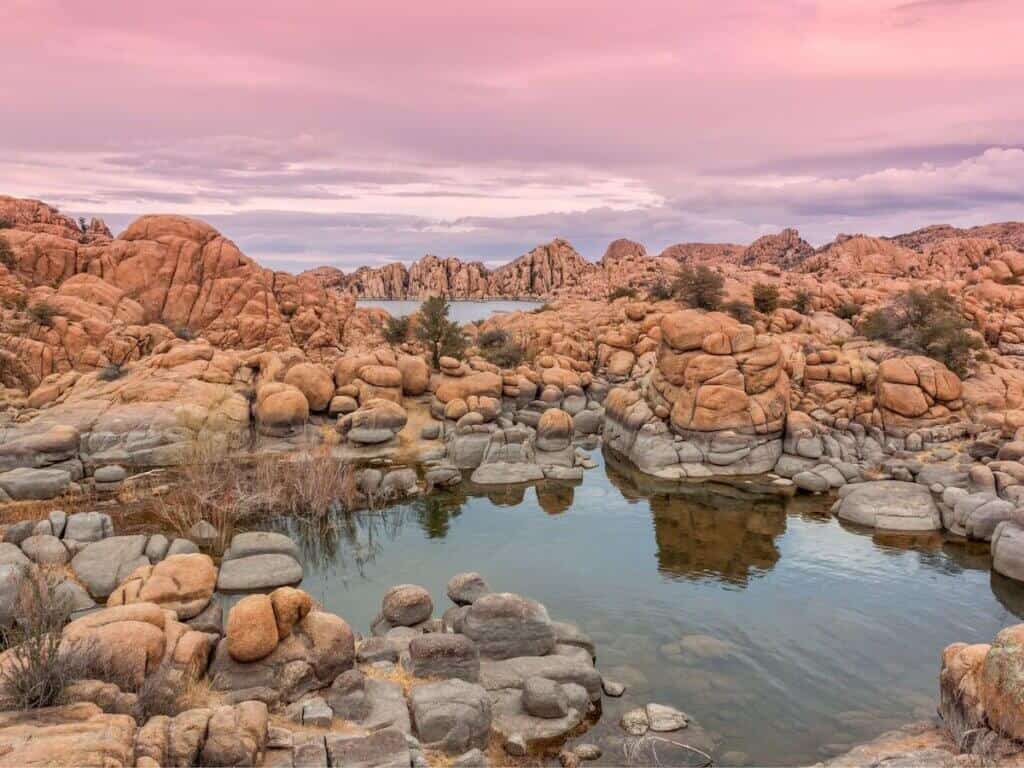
<point x="170" y="692"/>
<point x="17" y="511"/>
<point x="229" y="489"/>
<point x="397" y="674"/>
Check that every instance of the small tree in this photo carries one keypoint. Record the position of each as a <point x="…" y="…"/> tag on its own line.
<point x="766" y="298"/>
<point x="622" y="292"/>
<point x="441" y="335"/>
<point x="801" y="301"/>
<point x="659" y="292"/>
<point x="741" y="311"/>
<point x="700" y="288"/>
<point x="42" y="313"/>
<point x="396" y="329"/>
<point x="7" y="257"/>
<point x="497" y="347"/>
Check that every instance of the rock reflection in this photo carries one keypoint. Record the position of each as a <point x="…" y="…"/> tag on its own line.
<point x="707" y="530"/>
<point x="555" y="496"/>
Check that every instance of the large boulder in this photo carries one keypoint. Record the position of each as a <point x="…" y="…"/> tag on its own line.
<point x="281" y="409"/>
<point x="376" y="421"/>
<point x="314" y="382"/>
<point x="27" y="483"/>
<point x="444" y="655"/>
<point x="406" y="605"/>
<point x="181" y="583"/>
<point x="453" y="715"/>
<point x="890" y="505"/>
<point x="251" y="630"/>
<point x="554" y="430"/>
<point x="504" y="625"/>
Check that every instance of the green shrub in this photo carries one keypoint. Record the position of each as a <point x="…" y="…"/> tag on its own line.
<point x="493" y="337"/>
<point x="741" y="311"/>
<point x="766" y="298"/>
<point x="500" y="349"/>
<point x="112" y="372"/>
<point x="42" y="313"/>
<point x="801" y="302"/>
<point x="928" y="322"/>
<point x="441" y="335"/>
<point x="659" y="292"/>
<point x="396" y="329"/>
<point x="700" y="288"/>
<point x="622" y="292"/>
<point x="848" y="310"/>
<point x="7" y="257"/>
<point x="5" y="223"/>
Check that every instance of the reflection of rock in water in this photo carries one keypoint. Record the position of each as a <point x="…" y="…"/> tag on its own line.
<point x="554" y="496"/>
<point x="1009" y="593"/>
<point x="706" y="529"/>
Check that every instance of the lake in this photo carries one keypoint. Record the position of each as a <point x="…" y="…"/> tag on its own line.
<point x="462" y="311"/>
<point x="786" y="636"/>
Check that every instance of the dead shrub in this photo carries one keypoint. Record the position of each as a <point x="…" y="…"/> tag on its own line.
<point x="171" y="691"/>
<point x="37" y="666"/>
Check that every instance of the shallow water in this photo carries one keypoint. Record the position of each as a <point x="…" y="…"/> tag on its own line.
<point x="461" y="311"/>
<point x="786" y="636"/>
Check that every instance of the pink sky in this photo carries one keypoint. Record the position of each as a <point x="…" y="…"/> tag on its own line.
<point x="353" y="133"/>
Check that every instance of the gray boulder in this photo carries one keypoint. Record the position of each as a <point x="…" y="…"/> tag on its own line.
<point x="18" y="532"/>
<point x="406" y="605"/>
<point x="102" y="565"/>
<point x="544" y="698"/>
<point x="258" y="572"/>
<point x="12" y="555"/>
<point x="890" y="505"/>
<point x="45" y="550"/>
<point x="466" y="588"/>
<point x="444" y="655"/>
<point x="26" y="483"/>
<point x="384" y="749"/>
<point x="451" y="715"/>
<point x="88" y="526"/>
<point x="1008" y="550"/>
<point x="513" y="673"/>
<point x="261" y="543"/>
<point x="505" y="625"/>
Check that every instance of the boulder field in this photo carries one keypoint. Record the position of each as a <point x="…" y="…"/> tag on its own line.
<point x="285" y="682"/>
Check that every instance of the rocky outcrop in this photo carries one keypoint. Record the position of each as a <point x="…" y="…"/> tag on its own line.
<point x="786" y="250"/>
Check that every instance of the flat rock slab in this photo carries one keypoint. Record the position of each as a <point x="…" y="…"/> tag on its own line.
<point x="259" y="572"/>
<point x="25" y="483"/>
<point x="510" y="718"/>
<point x="77" y="734"/>
<point x="889" y="505"/>
<point x="513" y="673"/>
<point x="261" y="543"/>
<point x="503" y="473"/>
<point x="383" y="749"/>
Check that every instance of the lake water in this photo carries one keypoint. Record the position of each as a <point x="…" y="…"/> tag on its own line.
<point x="461" y="311"/>
<point x="786" y="636"/>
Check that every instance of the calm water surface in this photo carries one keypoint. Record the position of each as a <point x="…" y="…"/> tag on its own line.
<point x="461" y="311"/>
<point x="786" y="636"/>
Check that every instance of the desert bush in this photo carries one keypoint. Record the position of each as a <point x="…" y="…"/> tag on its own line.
<point x="442" y="336"/>
<point x="766" y="298"/>
<point x="659" y="292"/>
<point x="801" y="302"/>
<point x="547" y="306"/>
<point x="111" y="372"/>
<point x="622" y="292"/>
<point x="928" y="322"/>
<point x="43" y="313"/>
<point x="184" y="333"/>
<point x="7" y="255"/>
<point x="493" y="337"/>
<point x="396" y="329"/>
<point x="5" y="223"/>
<point x="848" y="310"/>
<point x="38" y="667"/>
<point x="741" y="311"/>
<point x="170" y="692"/>
<point x="700" y="288"/>
<point x="218" y="485"/>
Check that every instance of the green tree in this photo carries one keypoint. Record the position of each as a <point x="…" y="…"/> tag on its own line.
<point x="700" y="288"/>
<point x="766" y="298"/>
<point x="928" y="322"/>
<point x="441" y="335"/>
<point x="7" y="255"/>
<point x="396" y="329"/>
<point x="801" y="301"/>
